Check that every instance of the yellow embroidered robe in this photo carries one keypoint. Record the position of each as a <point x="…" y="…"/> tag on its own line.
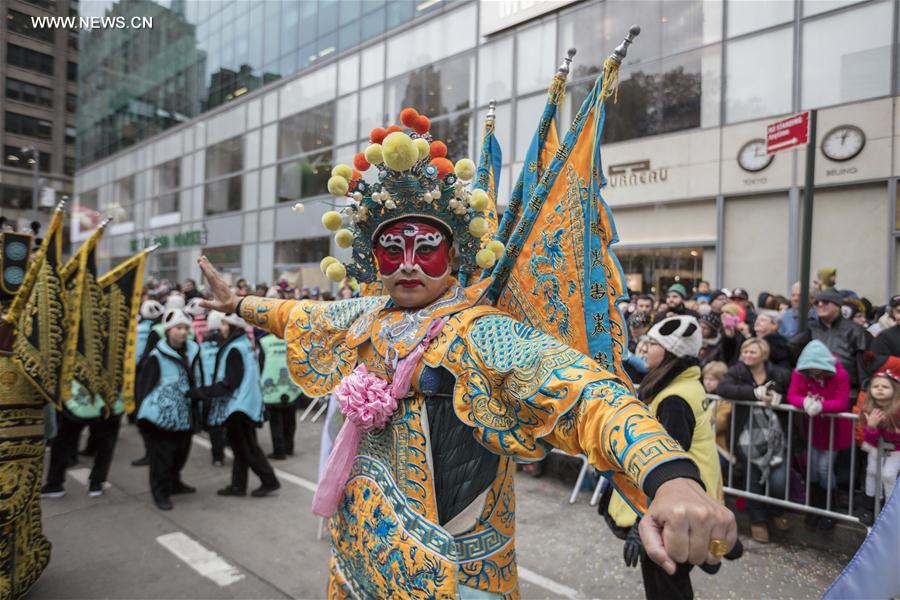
<point x="521" y="392"/>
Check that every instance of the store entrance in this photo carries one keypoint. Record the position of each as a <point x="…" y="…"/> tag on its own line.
<point x="653" y="270"/>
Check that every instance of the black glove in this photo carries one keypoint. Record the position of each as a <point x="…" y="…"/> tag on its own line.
<point x="633" y="546"/>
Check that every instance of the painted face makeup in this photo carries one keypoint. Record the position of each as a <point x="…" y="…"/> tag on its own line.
<point x="406" y="247"/>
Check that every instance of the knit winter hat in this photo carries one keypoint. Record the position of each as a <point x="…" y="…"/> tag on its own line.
<point x="680" y="335"/>
<point x="151" y="309"/>
<point x="678" y="289"/>
<point x="830" y="295"/>
<point x="175" y="316"/>
<point x="713" y="320"/>
<point x="214" y="320"/>
<point x="816" y="355"/>
<point x="235" y="321"/>
<point x="175" y="300"/>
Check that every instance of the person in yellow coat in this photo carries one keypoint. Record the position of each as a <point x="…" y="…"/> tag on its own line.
<point x="443" y="393"/>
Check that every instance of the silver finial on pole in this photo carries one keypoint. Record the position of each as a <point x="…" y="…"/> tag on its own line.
<point x="152" y="248"/>
<point x="567" y="62"/>
<point x="105" y="222"/>
<point x="621" y="50"/>
<point x="61" y="205"/>
<point x="492" y="111"/>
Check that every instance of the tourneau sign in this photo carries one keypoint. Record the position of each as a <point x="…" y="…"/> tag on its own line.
<point x="787" y="133"/>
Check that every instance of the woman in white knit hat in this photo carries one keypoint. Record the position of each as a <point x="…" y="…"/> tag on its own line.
<point x="172" y="368"/>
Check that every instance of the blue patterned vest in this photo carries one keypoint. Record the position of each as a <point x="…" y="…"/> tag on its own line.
<point x="84" y="407"/>
<point x="208" y="351"/>
<point x="166" y="406"/>
<point x="275" y="380"/>
<point x="143" y="333"/>
<point x="247" y="398"/>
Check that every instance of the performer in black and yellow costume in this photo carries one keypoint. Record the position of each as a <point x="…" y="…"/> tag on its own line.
<point x="443" y="391"/>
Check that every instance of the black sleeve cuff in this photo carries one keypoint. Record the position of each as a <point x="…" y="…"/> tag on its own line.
<point x="682" y="467"/>
<point x="237" y="308"/>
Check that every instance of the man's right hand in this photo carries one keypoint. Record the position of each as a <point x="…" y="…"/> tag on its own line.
<point x="224" y="299"/>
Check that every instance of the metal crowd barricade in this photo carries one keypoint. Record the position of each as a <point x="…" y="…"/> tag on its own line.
<point x="830" y="510"/>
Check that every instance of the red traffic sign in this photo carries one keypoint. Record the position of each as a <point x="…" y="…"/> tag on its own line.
<point x="787" y="133"/>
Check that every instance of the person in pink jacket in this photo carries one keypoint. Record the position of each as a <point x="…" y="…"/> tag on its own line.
<point x="820" y="385"/>
<point x="880" y="415"/>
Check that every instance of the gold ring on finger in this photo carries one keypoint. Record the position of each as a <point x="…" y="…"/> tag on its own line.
<point x="718" y="548"/>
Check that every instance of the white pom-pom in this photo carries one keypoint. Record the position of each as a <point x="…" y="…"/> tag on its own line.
<point x="298" y="208"/>
<point x="427" y="196"/>
<point x="357" y="196"/>
<point x="390" y="204"/>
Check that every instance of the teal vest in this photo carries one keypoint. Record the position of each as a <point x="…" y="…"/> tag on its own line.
<point x="83" y="407"/>
<point x="275" y="380"/>
<point x="166" y="406"/>
<point x="247" y="398"/>
<point x="208" y="351"/>
<point x="143" y="332"/>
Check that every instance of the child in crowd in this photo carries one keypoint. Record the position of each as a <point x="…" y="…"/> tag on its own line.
<point x="880" y="416"/>
<point x="821" y="385"/>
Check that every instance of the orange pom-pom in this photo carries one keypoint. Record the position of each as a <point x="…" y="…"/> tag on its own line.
<point x="393" y="128"/>
<point x="378" y="134"/>
<point x="444" y="166"/>
<point x="438" y="149"/>
<point x="408" y="117"/>
<point x="356" y="175"/>
<point x="422" y="125"/>
<point x="360" y="162"/>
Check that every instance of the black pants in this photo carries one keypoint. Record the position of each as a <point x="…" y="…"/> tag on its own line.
<point x="217" y="441"/>
<point x="168" y="452"/>
<point x="660" y="585"/>
<point x="247" y="453"/>
<point x="105" y="433"/>
<point x="283" y="426"/>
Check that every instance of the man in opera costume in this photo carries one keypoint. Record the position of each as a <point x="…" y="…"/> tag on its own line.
<point x="442" y="390"/>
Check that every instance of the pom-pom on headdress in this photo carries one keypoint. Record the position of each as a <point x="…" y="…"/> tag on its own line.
<point x="415" y="179"/>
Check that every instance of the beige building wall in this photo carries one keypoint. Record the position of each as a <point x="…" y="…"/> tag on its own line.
<point x="756" y="243"/>
<point x="662" y="223"/>
<point x="850" y="233"/>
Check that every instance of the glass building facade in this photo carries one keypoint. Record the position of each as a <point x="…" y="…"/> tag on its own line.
<point x="214" y="151"/>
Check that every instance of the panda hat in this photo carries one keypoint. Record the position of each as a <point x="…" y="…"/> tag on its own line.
<point x="679" y="335"/>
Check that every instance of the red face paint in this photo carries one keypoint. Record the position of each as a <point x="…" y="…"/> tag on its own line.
<point x="408" y="245"/>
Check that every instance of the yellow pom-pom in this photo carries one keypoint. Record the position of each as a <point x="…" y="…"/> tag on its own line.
<point x="327" y="262"/>
<point x="332" y="220"/>
<point x="423" y="147"/>
<point x="485" y="258"/>
<point x="338" y="186"/>
<point x="497" y="247"/>
<point x="343" y="238"/>
<point x="478" y="227"/>
<point x="479" y="200"/>
<point x="336" y="272"/>
<point x="374" y="154"/>
<point x="465" y="169"/>
<point x="345" y="171"/>
<point x="399" y="151"/>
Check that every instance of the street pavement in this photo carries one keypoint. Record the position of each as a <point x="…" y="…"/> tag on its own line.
<point x="121" y="546"/>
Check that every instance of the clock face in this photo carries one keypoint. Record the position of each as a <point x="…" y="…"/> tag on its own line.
<point x="843" y="142"/>
<point x="752" y="156"/>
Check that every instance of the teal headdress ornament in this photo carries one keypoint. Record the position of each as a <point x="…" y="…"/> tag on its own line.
<point x="414" y="179"/>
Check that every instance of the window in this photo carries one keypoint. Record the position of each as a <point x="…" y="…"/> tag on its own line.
<point x="71" y="103"/>
<point x="847" y="56"/>
<point x="225" y="157"/>
<point x="434" y="90"/>
<point x="164" y="266"/>
<point x="224" y="257"/>
<point x="14" y="197"/>
<point x="168" y="180"/>
<point x="813" y="7"/>
<point x="495" y="71"/>
<point x="29" y="126"/>
<point x="297" y="252"/>
<point x="13" y="157"/>
<point x="744" y="17"/>
<point x="72" y="71"/>
<point x="29" y="93"/>
<point x="20" y="23"/>
<point x="122" y="203"/>
<point x="25" y="58"/>
<point x="88" y="200"/>
<point x="759" y="75"/>
<point x="304" y="178"/>
<point x="536" y="57"/>
<point x="69" y="166"/>
<point x="310" y="130"/>
<point x="455" y="133"/>
<point x="223" y="196"/>
<point x="70" y="135"/>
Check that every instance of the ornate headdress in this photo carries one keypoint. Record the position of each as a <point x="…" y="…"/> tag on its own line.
<point x="415" y="180"/>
